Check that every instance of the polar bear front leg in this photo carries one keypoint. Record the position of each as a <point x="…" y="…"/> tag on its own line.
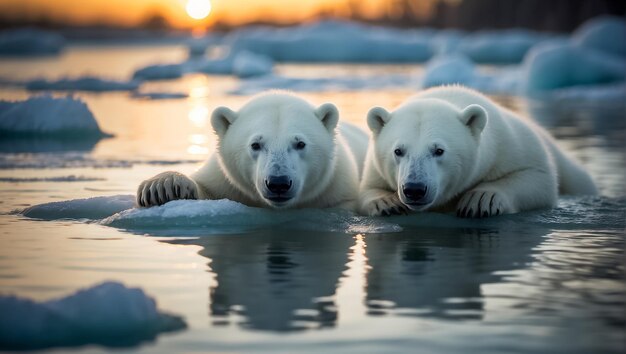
<point x="517" y="191"/>
<point x="377" y="202"/>
<point x="165" y="187"/>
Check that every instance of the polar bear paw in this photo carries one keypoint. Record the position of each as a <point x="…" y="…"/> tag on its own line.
<point x="165" y="187"/>
<point x="479" y="203"/>
<point x="386" y="206"/>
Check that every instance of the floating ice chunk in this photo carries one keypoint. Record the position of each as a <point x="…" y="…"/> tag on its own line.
<point x="499" y="47"/>
<point x="247" y="64"/>
<point x="450" y="69"/>
<point x="344" y="83"/>
<point x="220" y="66"/>
<point x="199" y="217"/>
<point x="340" y="41"/>
<point x="457" y="69"/>
<point x="206" y="217"/>
<point x="594" y="55"/>
<point x="606" y="34"/>
<point x="88" y="83"/>
<point x="160" y="95"/>
<point x="159" y="72"/>
<point x="333" y="41"/>
<point x="556" y="65"/>
<point x="48" y="116"/>
<point x="109" y="314"/>
<point x="28" y="41"/>
<point x="243" y="64"/>
<point x="193" y="217"/>
<point x="89" y="208"/>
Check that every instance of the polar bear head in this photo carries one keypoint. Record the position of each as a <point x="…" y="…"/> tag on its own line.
<point x="426" y="149"/>
<point x="277" y="148"/>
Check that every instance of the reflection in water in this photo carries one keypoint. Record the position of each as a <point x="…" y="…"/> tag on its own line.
<point x="276" y="282"/>
<point x="198" y="115"/>
<point x="47" y="144"/>
<point x="439" y="272"/>
<point x="283" y="282"/>
<point x="580" y="119"/>
<point x="198" y="144"/>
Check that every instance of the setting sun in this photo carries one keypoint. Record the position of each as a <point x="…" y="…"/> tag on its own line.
<point x="198" y="9"/>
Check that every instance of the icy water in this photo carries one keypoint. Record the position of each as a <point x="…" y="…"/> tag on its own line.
<point x="311" y="281"/>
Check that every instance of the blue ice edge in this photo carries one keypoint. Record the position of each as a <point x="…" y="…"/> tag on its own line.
<point x="108" y="314"/>
<point x="208" y="217"/>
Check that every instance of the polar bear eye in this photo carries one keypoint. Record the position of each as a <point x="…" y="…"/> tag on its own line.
<point x="398" y="152"/>
<point x="439" y="152"/>
<point x="300" y="145"/>
<point x="255" y="146"/>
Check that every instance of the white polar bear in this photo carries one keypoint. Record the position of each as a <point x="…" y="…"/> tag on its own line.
<point x="452" y="148"/>
<point x="278" y="151"/>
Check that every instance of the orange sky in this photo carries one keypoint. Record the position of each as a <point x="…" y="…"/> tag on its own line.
<point x="131" y="12"/>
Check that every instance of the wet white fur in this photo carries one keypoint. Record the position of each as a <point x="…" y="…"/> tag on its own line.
<point x="495" y="161"/>
<point x="325" y="173"/>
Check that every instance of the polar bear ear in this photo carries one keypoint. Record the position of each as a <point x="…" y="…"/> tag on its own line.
<point x="221" y="119"/>
<point x="329" y="115"/>
<point x="475" y="117"/>
<point x="377" y="117"/>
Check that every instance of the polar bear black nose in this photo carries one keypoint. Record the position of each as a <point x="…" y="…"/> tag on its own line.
<point x="414" y="191"/>
<point x="278" y="184"/>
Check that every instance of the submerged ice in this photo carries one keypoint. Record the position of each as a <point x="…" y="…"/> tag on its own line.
<point x="206" y="217"/>
<point x="108" y="314"/>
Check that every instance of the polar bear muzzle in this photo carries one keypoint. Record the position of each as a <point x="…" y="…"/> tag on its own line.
<point x="279" y="188"/>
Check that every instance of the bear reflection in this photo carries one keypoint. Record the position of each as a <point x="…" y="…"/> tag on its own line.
<point x="275" y="282"/>
<point x="439" y="272"/>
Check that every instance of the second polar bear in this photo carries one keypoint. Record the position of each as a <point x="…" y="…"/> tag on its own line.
<point x="277" y="151"/>
<point x="451" y="148"/>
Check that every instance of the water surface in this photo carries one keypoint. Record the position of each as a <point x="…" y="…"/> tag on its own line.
<point x="546" y="281"/>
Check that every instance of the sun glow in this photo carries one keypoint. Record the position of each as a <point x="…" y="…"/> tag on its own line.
<point x="198" y="9"/>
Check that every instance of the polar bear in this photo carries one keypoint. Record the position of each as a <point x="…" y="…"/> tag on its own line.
<point x="451" y="148"/>
<point x="277" y="151"/>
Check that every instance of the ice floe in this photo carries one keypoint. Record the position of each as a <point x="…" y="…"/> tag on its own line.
<point x="605" y="34"/>
<point x="593" y="56"/>
<point x="156" y="95"/>
<point x="247" y="64"/>
<point x="30" y="42"/>
<point x="86" y="83"/>
<point x="457" y="69"/>
<point x="498" y="47"/>
<point x="159" y="72"/>
<point x="341" y="83"/>
<point x="206" y="217"/>
<point x="333" y="41"/>
<point x="449" y="69"/>
<point x="88" y="208"/>
<point x="48" y="116"/>
<point x="108" y="314"/>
